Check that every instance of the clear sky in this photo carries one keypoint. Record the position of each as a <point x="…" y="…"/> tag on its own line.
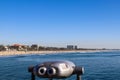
<point x="86" y="23"/>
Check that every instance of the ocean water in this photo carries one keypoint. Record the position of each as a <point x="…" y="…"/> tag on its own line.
<point x="98" y="65"/>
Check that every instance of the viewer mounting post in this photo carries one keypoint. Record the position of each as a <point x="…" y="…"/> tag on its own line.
<point x="78" y="77"/>
<point x="32" y="76"/>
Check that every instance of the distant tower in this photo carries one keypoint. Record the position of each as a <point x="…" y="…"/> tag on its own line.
<point x="70" y="47"/>
<point x="76" y="47"/>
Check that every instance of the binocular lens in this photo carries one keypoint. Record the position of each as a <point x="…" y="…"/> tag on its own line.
<point x="51" y="71"/>
<point x="42" y="70"/>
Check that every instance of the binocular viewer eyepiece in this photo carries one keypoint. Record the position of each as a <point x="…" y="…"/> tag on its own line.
<point x="56" y="69"/>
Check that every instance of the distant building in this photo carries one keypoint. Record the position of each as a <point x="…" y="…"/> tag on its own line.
<point x="18" y="47"/>
<point x="76" y="47"/>
<point x="71" y="47"/>
<point x="3" y="48"/>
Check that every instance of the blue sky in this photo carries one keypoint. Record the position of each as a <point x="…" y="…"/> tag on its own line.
<point x="86" y="23"/>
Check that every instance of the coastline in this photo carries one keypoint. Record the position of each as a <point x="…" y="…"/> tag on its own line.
<point x="10" y="53"/>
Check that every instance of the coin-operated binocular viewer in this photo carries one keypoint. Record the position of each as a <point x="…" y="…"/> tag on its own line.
<point x="56" y="69"/>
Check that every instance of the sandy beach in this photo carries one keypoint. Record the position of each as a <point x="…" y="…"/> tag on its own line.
<point x="9" y="53"/>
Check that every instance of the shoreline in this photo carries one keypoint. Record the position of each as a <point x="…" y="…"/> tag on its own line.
<point x="12" y="53"/>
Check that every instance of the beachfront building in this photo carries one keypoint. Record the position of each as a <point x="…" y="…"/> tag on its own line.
<point x="18" y="47"/>
<point x="71" y="47"/>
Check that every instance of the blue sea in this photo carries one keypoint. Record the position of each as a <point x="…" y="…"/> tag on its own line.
<point x="98" y="65"/>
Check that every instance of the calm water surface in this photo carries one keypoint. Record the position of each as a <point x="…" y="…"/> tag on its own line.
<point x="98" y="65"/>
